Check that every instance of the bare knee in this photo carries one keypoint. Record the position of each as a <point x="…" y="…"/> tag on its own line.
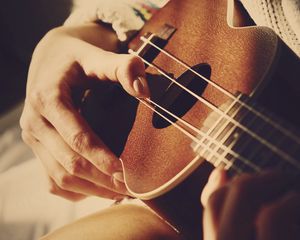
<point x="128" y="222"/>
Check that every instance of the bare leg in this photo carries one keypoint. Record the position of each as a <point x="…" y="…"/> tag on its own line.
<point x="126" y="222"/>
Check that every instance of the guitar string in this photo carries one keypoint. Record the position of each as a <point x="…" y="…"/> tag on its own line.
<point x="284" y="155"/>
<point x="224" y="91"/>
<point x="205" y="136"/>
<point x="223" y="139"/>
<point x="218" y="121"/>
<point x="227" y="93"/>
<point x="231" y="132"/>
<point x="224" y="160"/>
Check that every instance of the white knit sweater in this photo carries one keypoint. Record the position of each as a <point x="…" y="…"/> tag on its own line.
<point x="283" y="16"/>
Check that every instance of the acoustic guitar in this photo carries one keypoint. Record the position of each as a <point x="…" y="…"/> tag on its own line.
<point x="221" y="95"/>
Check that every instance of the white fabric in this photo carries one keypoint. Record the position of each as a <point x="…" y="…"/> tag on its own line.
<point x="117" y="13"/>
<point x="291" y="9"/>
<point x="283" y="16"/>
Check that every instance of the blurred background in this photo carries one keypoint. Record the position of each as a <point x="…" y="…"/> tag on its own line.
<point x="22" y="24"/>
<point x="27" y="210"/>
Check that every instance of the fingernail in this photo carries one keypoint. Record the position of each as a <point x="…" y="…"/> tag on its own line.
<point x="215" y="176"/>
<point x="140" y="86"/>
<point x="119" y="176"/>
<point x="211" y="186"/>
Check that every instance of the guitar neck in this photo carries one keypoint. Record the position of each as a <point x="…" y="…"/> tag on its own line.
<point x="246" y="138"/>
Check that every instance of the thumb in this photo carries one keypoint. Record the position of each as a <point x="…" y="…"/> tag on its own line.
<point x="216" y="180"/>
<point x="126" y="69"/>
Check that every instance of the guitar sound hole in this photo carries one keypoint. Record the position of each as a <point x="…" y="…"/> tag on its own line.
<point x="177" y="100"/>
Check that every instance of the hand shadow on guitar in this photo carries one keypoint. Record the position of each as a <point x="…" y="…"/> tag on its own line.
<point x="111" y="112"/>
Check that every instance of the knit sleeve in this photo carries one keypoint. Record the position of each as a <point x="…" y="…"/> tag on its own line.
<point x="283" y="16"/>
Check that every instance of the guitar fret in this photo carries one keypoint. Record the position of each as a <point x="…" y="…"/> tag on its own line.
<point x="234" y="112"/>
<point x="279" y="140"/>
<point x="246" y="147"/>
<point x="232" y="137"/>
<point x="219" y="127"/>
<point x="239" y="150"/>
<point x="291" y="146"/>
<point x="223" y="128"/>
<point x="234" y="168"/>
<point x="254" y="151"/>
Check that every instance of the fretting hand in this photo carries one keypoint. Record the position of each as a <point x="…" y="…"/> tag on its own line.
<point x="251" y="207"/>
<point x="65" y="63"/>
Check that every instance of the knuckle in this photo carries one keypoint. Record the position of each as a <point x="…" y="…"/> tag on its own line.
<point x="30" y="121"/>
<point x="132" y="60"/>
<point x="28" y="138"/>
<point x="37" y="98"/>
<point x="77" y="165"/>
<point x="65" y="181"/>
<point x="106" y="164"/>
<point x="25" y="124"/>
<point x="23" y="121"/>
<point x="45" y="99"/>
<point x="127" y="66"/>
<point x="131" y="64"/>
<point x="32" y="124"/>
<point x="80" y="141"/>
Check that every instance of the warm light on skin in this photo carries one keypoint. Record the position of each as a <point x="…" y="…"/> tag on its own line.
<point x="119" y="222"/>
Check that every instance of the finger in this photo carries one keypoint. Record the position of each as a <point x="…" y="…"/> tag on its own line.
<point x="59" y="111"/>
<point x="212" y="199"/>
<point x="280" y="220"/>
<point x="67" y="182"/>
<point x="216" y="180"/>
<point x="246" y="195"/>
<point x="212" y="213"/>
<point x="53" y="188"/>
<point x="74" y="184"/>
<point x="56" y="190"/>
<point x="124" y="68"/>
<point x="75" y="164"/>
<point x="56" y="105"/>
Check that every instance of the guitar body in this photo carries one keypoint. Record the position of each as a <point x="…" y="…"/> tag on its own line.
<point x="160" y="165"/>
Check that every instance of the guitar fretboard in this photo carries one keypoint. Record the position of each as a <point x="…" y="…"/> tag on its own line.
<point x="247" y="138"/>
